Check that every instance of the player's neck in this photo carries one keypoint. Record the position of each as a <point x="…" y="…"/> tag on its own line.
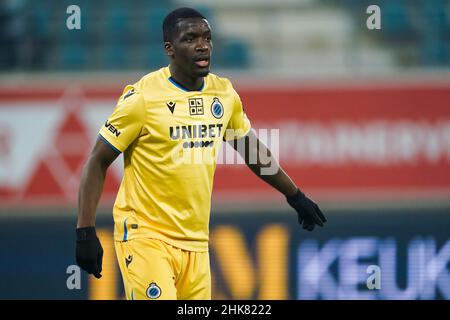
<point x="189" y="83"/>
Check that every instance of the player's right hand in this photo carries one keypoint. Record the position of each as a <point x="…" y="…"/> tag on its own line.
<point x="89" y="251"/>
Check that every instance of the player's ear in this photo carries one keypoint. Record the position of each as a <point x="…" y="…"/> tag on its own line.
<point x="168" y="48"/>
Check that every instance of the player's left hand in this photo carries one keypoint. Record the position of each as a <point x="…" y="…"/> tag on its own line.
<point x="309" y="213"/>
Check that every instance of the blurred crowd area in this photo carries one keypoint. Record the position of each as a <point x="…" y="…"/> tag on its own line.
<point x="286" y="37"/>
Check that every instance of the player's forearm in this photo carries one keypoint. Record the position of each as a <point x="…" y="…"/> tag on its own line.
<point x="279" y="180"/>
<point x="261" y="161"/>
<point x="91" y="188"/>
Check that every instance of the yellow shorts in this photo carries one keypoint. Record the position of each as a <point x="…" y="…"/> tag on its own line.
<point x="153" y="269"/>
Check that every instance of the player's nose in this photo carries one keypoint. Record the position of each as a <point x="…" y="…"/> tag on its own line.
<point x="202" y="46"/>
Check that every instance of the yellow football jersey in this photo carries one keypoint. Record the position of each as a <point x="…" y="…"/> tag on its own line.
<point x="170" y="138"/>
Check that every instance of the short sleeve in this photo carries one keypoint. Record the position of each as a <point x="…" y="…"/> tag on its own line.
<point x="127" y="120"/>
<point x="239" y="125"/>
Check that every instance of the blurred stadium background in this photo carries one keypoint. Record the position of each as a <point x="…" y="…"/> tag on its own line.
<point x="364" y="126"/>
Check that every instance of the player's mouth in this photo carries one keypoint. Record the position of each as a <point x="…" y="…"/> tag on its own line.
<point x="202" y="62"/>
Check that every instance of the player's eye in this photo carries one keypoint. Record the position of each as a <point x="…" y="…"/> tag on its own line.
<point x="208" y="38"/>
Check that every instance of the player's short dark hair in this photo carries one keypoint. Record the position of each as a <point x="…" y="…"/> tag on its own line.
<point x="171" y="20"/>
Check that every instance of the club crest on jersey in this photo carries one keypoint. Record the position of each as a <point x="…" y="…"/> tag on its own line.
<point x="153" y="291"/>
<point x="217" y="108"/>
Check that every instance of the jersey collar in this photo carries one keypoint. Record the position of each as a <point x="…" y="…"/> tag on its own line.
<point x="179" y="86"/>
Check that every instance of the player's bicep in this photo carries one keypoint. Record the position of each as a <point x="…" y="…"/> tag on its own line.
<point x="103" y="153"/>
<point x="245" y="145"/>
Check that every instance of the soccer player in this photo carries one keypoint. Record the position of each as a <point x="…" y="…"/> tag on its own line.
<point x="161" y="214"/>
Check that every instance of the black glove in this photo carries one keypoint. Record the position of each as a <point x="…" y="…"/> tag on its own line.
<point x="308" y="212"/>
<point x="89" y="251"/>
